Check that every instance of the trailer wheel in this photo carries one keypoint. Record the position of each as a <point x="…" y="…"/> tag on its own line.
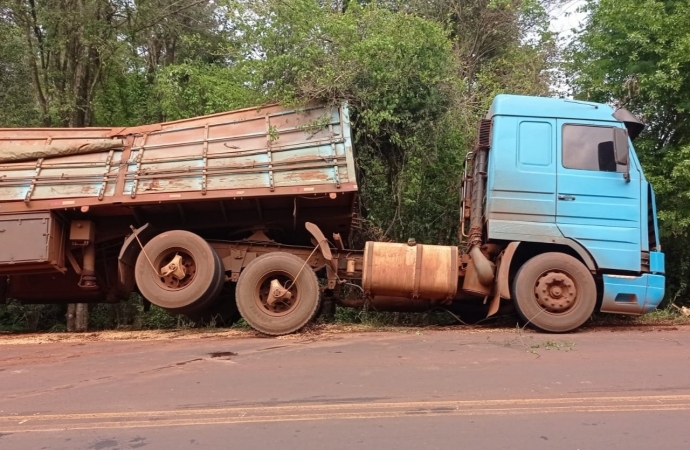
<point x="554" y="292"/>
<point x="179" y="271"/>
<point x="278" y="294"/>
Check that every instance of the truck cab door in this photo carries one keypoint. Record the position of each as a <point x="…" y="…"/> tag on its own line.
<point x="521" y="201"/>
<point x="595" y="204"/>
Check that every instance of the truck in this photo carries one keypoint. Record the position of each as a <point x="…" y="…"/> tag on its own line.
<point x="253" y="209"/>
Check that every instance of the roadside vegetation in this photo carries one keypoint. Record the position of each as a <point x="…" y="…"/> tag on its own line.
<point x="417" y="74"/>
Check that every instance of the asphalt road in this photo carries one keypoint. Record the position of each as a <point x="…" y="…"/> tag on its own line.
<point x="496" y="389"/>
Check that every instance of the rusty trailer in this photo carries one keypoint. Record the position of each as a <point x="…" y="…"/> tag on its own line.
<point x="70" y="198"/>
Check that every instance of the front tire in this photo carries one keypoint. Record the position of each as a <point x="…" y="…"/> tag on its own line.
<point x="554" y="292"/>
<point x="290" y="312"/>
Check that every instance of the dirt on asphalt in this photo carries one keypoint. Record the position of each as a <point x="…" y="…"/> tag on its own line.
<point x="311" y="332"/>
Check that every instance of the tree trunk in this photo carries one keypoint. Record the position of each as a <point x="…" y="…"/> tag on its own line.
<point x="82" y="319"/>
<point x="71" y="317"/>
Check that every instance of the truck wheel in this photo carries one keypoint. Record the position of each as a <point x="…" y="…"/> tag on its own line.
<point x="554" y="292"/>
<point x="265" y="303"/>
<point x="188" y="273"/>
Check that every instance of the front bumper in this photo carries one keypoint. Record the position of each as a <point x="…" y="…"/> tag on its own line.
<point x="625" y="294"/>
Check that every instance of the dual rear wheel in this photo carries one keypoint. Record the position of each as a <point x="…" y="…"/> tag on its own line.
<point x="276" y="294"/>
<point x="180" y="272"/>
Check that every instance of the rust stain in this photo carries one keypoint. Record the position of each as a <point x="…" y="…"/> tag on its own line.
<point x="152" y="186"/>
<point x="313" y="175"/>
<point x="300" y="158"/>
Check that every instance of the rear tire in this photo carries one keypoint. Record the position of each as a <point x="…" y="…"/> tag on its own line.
<point x="204" y="275"/>
<point x="554" y="292"/>
<point x="287" y="315"/>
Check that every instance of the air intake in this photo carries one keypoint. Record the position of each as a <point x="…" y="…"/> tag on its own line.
<point x="484" y="138"/>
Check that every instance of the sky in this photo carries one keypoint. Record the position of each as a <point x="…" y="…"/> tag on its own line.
<point x="563" y="20"/>
<point x="566" y="17"/>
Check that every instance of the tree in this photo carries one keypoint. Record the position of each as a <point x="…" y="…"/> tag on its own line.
<point x="15" y="80"/>
<point x="73" y="45"/>
<point x="417" y="76"/>
<point x="636" y="53"/>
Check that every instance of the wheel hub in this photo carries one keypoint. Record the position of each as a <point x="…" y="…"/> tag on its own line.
<point x="176" y="272"/>
<point x="556" y="292"/>
<point x="174" y="268"/>
<point x="278" y="293"/>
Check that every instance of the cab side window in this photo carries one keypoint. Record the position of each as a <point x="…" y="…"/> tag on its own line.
<point x="588" y="147"/>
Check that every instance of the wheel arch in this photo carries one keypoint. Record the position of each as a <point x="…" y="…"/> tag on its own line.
<point x="518" y="253"/>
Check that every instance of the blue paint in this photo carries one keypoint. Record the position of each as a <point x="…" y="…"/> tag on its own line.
<point x="631" y="294"/>
<point x="655" y="292"/>
<point x="652" y="200"/>
<point x="656" y="262"/>
<point x="604" y="213"/>
<point x="522" y="171"/>
<point x="535" y="194"/>
<point x="550" y="108"/>
<point x="644" y="223"/>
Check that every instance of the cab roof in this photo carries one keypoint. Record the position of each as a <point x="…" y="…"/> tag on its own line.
<point x="555" y="108"/>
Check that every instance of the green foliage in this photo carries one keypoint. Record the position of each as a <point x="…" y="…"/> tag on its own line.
<point x="18" y="108"/>
<point x="17" y="317"/>
<point x="189" y="90"/>
<point x="396" y="71"/>
<point x="384" y="319"/>
<point x="415" y="86"/>
<point x="636" y="53"/>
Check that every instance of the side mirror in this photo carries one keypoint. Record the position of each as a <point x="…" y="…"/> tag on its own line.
<point x="621" y="146"/>
<point x="622" y="150"/>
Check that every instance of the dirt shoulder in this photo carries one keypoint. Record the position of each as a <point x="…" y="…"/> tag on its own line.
<point x="313" y="332"/>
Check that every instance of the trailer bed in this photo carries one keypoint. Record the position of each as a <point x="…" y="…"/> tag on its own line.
<point x="268" y="167"/>
<point x="246" y="153"/>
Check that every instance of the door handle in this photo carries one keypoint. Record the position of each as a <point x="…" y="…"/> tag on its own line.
<point x="566" y="197"/>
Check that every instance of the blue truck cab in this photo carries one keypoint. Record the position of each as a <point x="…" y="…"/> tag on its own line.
<point x="562" y="176"/>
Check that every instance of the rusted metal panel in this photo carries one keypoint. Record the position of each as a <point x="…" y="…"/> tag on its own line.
<point x="31" y="242"/>
<point x="260" y="149"/>
<point x="318" y="191"/>
<point x="412" y="271"/>
<point x="251" y="152"/>
<point x="73" y="176"/>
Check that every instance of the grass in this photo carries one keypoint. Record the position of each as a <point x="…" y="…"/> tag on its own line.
<point x="665" y="316"/>
<point x="17" y="318"/>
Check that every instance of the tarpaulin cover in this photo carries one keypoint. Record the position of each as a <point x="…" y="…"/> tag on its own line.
<point x="27" y="152"/>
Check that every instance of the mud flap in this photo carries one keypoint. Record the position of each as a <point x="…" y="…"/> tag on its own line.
<point x="496" y="299"/>
<point x="128" y="257"/>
